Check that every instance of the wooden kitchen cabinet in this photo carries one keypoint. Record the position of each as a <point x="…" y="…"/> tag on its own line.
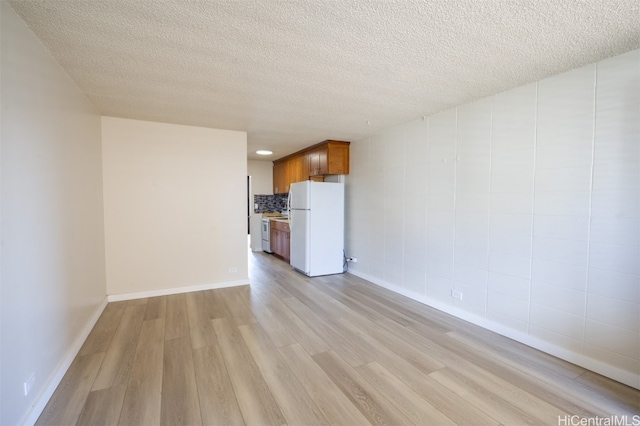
<point x="280" y="239"/>
<point x="285" y="245"/>
<point x="280" y="178"/>
<point x="298" y="169"/>
<point x="326" y="158"/>
<point x="317" y="160"/>
<point x="275" y="239"/>
<point x="288" y="171"/>
<point x="329" y="158"/>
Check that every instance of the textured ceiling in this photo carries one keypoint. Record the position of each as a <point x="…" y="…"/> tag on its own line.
<point x="293" y="73"/>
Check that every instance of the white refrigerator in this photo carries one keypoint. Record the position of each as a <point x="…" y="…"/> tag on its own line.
<point x="316" y="221"/>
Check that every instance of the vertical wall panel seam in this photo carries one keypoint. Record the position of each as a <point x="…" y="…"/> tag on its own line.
<point x="488" y="247"/>
<point x="369" y="199"/>
<point x="384" y="209"/>
<point x="533" y="200"/>
<point x="455" y="190"/>
<point x="593" y="151"/>
<point x="404" y="208"/>
<point x="426" y="208"/>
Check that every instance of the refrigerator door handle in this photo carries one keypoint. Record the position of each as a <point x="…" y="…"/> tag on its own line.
<point x="289" y="209"/>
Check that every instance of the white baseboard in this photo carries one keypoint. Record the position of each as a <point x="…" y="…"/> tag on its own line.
<point x="615" y="373"/>
<point x="45" y="395"/>
<point x="175" y="290"/>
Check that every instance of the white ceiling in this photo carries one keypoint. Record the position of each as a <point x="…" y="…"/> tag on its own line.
<point x="293" y="73"/>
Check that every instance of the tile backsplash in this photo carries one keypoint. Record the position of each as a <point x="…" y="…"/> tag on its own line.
<point x="270" y="203"/>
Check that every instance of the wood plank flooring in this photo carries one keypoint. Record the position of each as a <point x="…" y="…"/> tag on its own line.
<point x="327" y="350"/>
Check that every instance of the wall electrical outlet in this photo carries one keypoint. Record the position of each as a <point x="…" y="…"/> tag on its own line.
<point x="233" y="270"/>
<point x="28" y="385"/>
<point x="456" y="294"/>
<point x="352" y="259"/>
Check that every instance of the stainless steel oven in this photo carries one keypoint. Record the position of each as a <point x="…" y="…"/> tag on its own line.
<point x="266" y="235"/>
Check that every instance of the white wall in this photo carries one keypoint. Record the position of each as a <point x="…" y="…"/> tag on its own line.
<point x="175" y="207"/>
<point x="261" y="173"/>
<point x="52" y="263"/>
<point x="527" y="202"/>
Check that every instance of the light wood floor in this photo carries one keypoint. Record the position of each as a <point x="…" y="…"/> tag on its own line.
<point x="328" y="350"/>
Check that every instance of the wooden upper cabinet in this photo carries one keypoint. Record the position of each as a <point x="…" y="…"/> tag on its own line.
<point x="317" y="160"/>
<point x="280" y="178"/>
<point x="329" y="158"/>
<point x="298" y="169"/>
<point x="326" y="158"/>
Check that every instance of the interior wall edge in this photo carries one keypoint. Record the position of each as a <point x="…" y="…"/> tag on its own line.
<point x="628" y="378"/>
<point x="47" y="391"/>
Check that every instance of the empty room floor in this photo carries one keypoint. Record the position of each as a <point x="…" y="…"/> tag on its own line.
<point x="328" y="350"/>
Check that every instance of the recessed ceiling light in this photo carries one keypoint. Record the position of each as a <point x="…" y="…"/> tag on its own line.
<point x="264" y="152"/>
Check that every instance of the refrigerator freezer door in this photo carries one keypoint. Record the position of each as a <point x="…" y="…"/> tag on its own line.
<point x="300" y="193"/>
<point x="299" y="257"/>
